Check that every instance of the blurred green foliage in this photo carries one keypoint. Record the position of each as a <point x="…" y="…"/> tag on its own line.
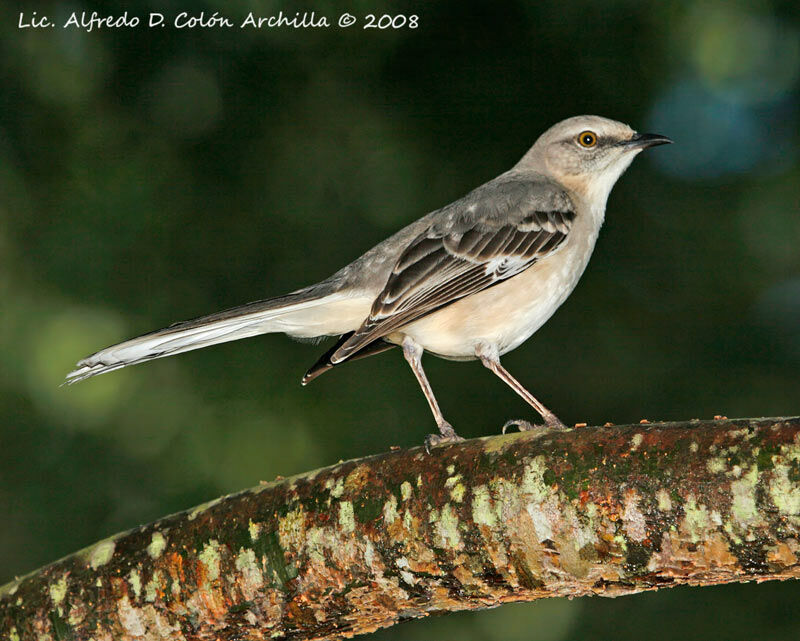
<point x="152" y="175"/>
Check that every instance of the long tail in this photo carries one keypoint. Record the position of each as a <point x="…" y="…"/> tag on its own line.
<point x="297" y="314"/>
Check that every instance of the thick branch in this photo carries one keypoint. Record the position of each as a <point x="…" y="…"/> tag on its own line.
<point x="367" y="543"/>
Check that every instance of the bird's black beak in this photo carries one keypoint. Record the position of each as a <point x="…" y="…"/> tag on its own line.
<point x="643" y="141"/>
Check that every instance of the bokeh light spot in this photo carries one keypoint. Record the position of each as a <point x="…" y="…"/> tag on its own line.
<point x="61" y="70"/>
<point x="715" y="136"/>
<point x="54" y="347"/>
<point x="753" y="58"/>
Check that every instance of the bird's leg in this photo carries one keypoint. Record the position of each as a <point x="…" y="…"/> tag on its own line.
<point x="413" y="354"/>
<point x="491" y="360"/>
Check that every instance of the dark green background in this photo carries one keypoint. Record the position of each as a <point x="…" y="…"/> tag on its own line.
<point x="147" y="176"/>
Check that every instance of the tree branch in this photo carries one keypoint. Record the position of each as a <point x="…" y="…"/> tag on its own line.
<point x="367" y="543"/>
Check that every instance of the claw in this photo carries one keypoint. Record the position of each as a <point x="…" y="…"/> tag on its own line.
<point x="552" y="424"/>
<point x="447" y="435"/>
<point x="522" y="425"/>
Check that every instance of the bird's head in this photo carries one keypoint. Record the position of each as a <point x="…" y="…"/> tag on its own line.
<point x="588" y="154"/>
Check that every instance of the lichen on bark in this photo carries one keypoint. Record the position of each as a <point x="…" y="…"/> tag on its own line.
<point x="364" y="544"/>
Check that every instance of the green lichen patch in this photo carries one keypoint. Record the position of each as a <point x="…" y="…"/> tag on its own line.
<point x="254" y="529"/>
<point x="741" y="433"/>
<point x="246" y="560"/>
<point x="452" y="479"/>
<point x="743" y="504"/>
<point x="390" y="510"/>
<point x="317" y="541"/>
<point x="785" y="493"/>
<point x="292" y="528"/>
<point x="337" y="487"/>
<point x="347" y="520"/>
<point x="9" y="589"/>
<point x="664" y="500"/>
<point x="210" y="558"/>
<point x="358" y="478"/>
<point x="537" y="479"/>
<point x="447" y="532"/>
<point x="58" y="591"/>
<point x="157" y="545"/>
<point x="455" y="485"/>
<point x="697" y="520"/>
<point x="100" y="553"/>
<point x="500" y="442"/>
<point x="716" y="465"/>
<point x="458" y="492"/>
<point x="251" y="576"/>
<point x="482" y="507"/>
<point x="135" y="581"/>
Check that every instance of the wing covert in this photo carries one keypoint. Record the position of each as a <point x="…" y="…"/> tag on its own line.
<point x="479" y="241"/>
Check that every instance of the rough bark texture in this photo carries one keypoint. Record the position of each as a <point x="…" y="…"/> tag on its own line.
<point x="367" y="543"/>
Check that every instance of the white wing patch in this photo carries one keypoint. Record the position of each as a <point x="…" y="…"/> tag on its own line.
<point x="504" y="266"/>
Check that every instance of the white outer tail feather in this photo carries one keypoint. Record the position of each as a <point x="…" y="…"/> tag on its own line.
<point x="304" y="319"/>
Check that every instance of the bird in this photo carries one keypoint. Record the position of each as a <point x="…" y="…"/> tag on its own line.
<point x="470" y="281"/>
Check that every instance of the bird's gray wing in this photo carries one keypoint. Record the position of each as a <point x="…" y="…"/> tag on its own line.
<point x="494" y="233"/>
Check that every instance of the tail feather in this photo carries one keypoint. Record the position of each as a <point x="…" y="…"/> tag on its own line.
<point x="324" y="363"/>
<point x="299" y="314"/>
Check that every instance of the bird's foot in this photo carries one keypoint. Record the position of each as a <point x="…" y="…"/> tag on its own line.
<point x="522" y="425"/>
<point x="446" y="435"/>
<point x="551" y="424"/>
<point x="554" y="423"/>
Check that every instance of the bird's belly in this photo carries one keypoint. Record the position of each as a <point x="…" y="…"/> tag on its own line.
<point x="503" y="316"/>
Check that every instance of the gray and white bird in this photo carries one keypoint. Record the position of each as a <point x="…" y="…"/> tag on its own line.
<point x="471" y="280"/>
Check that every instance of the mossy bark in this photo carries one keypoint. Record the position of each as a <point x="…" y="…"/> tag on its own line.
<point x="368" y="543"/>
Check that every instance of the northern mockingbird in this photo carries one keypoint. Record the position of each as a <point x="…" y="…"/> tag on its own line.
<point x="471" y="280"/>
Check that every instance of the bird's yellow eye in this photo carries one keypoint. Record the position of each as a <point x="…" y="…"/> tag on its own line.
<point x="587" y="139"/>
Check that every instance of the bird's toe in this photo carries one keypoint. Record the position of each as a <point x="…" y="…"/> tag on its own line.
<point x="521" y="424"/>
<point x="446" y="436"/>
<point x="527" y="426"/>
